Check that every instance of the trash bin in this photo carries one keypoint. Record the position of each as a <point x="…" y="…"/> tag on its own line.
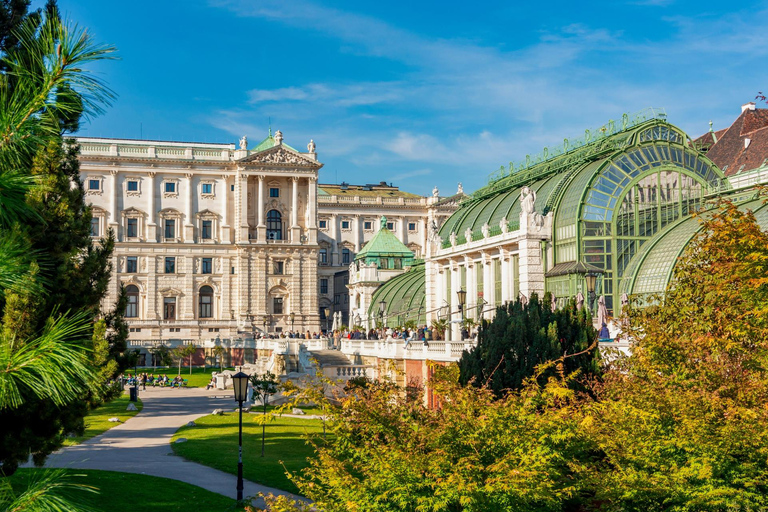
<point x="134" y="390"/>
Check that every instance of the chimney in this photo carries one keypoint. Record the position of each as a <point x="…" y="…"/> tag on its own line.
<point x="748" y="106"/>
<point x="747" y="140"/>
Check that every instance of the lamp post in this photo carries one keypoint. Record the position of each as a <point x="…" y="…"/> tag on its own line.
<point x="326" y="312"/>
<point x="382" y="308"/>
<point x="240" y="385"/>
<point x="462" y="295"/>
<point x="591" y="278"/>
<point x="293" y="317"/>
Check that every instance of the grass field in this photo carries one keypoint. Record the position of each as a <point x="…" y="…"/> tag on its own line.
<point x="126" y="492"/>
<point x="213" y="442"/>
<point x="199" y="377"/>
<point x="96" y="421"/>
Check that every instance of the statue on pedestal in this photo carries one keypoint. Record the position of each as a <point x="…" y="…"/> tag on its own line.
<point x="527" y="200"/>
<point x="311" y="146"/>
<point x="243" y="142"/>
<point x="278" y="138"/>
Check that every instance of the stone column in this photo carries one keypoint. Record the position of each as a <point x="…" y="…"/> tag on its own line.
<point x="356" y="233"/>
<point x="401" y="229"/>
<point x="455" y="328"/>
<point x="295" y="230"/>
<point x="489" y="285"/>
<point x="471" y="288"/>
<point x="334" y="240"/>
<point x="225" y="232"/>
<point x="260" y="212"/>
<point x="423" y="237"/>
<point x="150" y="191"/>
<point x="242" y="228"/>
<point x="189" y="228"/>
<point x="506" y="294"/>
<point x="113" y="213"/>
<point x="312" y="200"/>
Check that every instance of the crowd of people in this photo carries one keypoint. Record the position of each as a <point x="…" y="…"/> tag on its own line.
<point x="142" y="379"/>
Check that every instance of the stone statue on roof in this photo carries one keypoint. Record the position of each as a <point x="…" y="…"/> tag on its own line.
<point x="278" y="138"/>
<point x="527" y="200"/>
<point x="460" y="190"/>
<point x="433" y="229"/>
<point x="435" y="192"/>
<point x="311" y="146"/>
<point x="243" y="142"/>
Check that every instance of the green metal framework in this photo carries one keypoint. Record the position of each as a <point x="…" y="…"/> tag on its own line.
<point x="609" y="196"/>
<point x="405" y="297"/>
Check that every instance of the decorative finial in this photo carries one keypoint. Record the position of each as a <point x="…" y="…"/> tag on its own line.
<point x="710" y="126"/>
<point x="383" y="222"/>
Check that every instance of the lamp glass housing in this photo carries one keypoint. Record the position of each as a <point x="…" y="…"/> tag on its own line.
<point x="240" y="385"/>
<point x="293" y="315"/>
<point x="591" y="281"/>
<point x="327" y="312"/>
<point x="462" y="294"/>
<point x="382" y="306"/>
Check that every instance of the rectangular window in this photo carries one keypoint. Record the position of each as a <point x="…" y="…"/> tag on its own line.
<point x="132" y="228"/>
<point x="337" y="299"/>
<point x="346" y="256"/>
<point x="206" y="188"/>
<point x="131" y="264"/>
<point x="323" y="224"/>
<point x="94" y="184"/>
<point x="390" y="226"/>
<point x="170" y="265"/>
<point x="232" y="188"/>
<point x="277" y="267"/>
<point x="345" y="224"/>
<point x="323" y="256"/>
<point x="132" y="186"/>
<point x="274" y="192"/>
<point x="95" y="231"/>
<point x="207" y="266"/>
<point x="411" y="226"/>
<point x="169" y="308"/>
<point x="277" y="305"/>
<point x="232" y="270"/>
<point x="323" y="286"/>
<point x="368" y="225"/>
<point x="170" y="228"/>
<point x="170" y="187"/>
<point x="207" y="227"/>
<point x="398" y="263"/>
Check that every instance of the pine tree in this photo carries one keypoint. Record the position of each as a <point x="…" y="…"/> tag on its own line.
<point x="523" y="336"/>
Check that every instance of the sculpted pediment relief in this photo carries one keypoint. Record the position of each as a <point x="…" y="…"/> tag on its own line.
<point x="281" y="156"/>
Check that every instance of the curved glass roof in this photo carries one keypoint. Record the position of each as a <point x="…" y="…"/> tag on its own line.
<point x="405" y="297"/>
<point x="651" y="269"/>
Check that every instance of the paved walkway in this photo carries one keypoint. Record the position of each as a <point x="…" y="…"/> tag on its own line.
<point x="142" y="444"/>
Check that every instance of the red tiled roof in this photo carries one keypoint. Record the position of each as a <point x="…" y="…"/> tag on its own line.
<point x="729" y="149"/>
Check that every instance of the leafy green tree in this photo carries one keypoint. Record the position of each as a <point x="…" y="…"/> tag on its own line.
<point x="162" y="355"/>
<point x="522" y="336"/>
<point x="186" y="351"/>
<point x="683" y="422"/>
<point x="218" y="352"/>
<point x="264" y="386"/>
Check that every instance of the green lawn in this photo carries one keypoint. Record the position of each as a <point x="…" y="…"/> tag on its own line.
<point x="200" y="377"/>
<point x="96" y="421"/>
<point x="213" y="442"/>
<point x="126" y="492"/>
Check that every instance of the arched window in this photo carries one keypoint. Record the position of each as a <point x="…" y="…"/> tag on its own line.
<point x="206" y="302"/>
<point x="132" y="309"/>
<point x="274" y="225"/>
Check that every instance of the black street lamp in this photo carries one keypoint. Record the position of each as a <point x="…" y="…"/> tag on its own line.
<point x="591" y="278"/>
<point x="382" y="308"/>
<point x="462" y="295"/>
<point x="293" y="317"/>
<point x="326" y="312"/>
<point x="264" y="324"/>
<point x="240" y="384"/>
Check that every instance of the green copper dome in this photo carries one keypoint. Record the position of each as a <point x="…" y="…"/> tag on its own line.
<point x="386" y="250"/>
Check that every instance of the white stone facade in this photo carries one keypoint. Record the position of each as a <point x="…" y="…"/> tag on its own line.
<point x="213" y="241"/>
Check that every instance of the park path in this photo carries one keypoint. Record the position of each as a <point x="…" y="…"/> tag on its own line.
<point x="142" y="443"/>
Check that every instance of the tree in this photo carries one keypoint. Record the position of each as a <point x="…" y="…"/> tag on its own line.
<point x="45" y="261"/>
<point x="264" y="386"/>
<point x="683" y="422"/>
<point x="522" y="336"/>
<point x="163" y="355"/>
<point x="218" y="352"/>
<point x="186" y="351"/>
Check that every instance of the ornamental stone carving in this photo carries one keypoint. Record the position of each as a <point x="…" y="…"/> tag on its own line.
<point x="279" y="156"/>
<point x="486" y="230"/>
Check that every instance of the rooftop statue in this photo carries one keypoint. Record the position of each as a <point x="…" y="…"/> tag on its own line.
<point x="311" y="146"/>
<point x="460" y="189"/>
<point x="527" y="200"/>
<point x="435" y="192"/>
<point x="278" y="138"/>
<point x="244" y="142"/>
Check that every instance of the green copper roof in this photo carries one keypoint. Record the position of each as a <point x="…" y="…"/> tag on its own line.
<point x="269" y="143"/>
<point x="385" y="244"/>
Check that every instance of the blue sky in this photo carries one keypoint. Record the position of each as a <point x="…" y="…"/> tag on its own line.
<point x="420" y="93"/>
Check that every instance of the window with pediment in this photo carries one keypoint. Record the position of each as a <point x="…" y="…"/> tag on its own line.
<point x="133" y="225"/>
<point x="207" y="226"/>
<point x="171" y="225"/>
